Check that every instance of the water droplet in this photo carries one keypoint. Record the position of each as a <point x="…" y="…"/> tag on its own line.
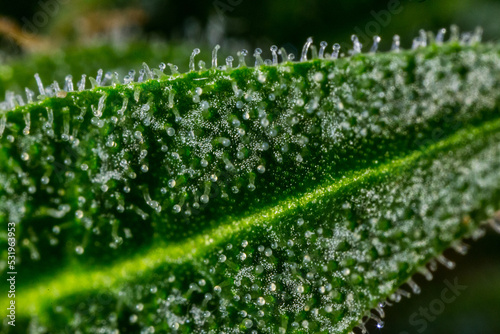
<point x="204" y="105"/>
<point x="318" y="77"/>
<point x="79" y="250"/>
<point x="248" y="323"/>
<point x="25" y="156"/>
<point x="268" y="252"/>
<point x="260" y="301"/>
<point x="204" y="199"/>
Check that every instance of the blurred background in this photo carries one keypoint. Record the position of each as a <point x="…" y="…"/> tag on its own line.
<point x="58" y="37"/>
<point x="81" y="36"/>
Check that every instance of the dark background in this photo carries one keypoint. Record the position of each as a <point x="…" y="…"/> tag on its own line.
<point x="31" y="28"/>
<point x="251" y="23"/>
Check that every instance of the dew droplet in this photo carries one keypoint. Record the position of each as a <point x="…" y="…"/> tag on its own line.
<point x="248" y="323"/>
<point x="79" y="250"/>
<point x="177" y="208"/>
<point x="204" y="105"/>
<point x="204" y="199"/>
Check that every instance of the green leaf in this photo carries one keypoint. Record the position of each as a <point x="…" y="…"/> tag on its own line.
<point x="293" y="197"/>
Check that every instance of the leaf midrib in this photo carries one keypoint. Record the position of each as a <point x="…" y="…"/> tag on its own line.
<point x="72" y="280"/>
